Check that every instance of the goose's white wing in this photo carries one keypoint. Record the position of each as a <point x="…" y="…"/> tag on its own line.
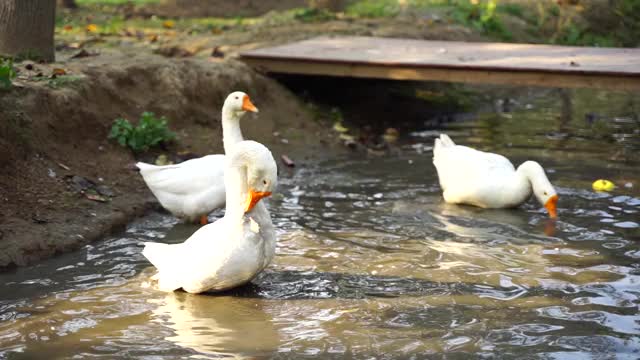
<point x="189" y="189"/>
<point x="181" y="264"/>
<point x="218" y="256"/>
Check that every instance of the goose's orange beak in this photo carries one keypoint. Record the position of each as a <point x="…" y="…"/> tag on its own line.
<point x="247" y="105"/>
<point x="253" y="197"/>
<point x="551" y="206"/>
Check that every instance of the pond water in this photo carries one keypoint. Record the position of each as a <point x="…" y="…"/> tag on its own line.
<point x="372" y="264"/>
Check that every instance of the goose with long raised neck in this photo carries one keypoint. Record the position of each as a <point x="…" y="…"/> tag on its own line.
<point x="192" y="189"/>
<point x="487" y="180"/>
<point x="234" y="249"/>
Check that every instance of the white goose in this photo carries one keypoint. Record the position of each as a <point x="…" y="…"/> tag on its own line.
<point x="469" y="176"/>
<point x="192" y="189"/>
<point x="234" y="249"/>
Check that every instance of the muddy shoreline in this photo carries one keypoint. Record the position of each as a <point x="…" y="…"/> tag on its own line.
<point x="53" y="134"/>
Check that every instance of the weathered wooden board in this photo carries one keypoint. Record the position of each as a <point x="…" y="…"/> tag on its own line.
<point x="499" y="63"/>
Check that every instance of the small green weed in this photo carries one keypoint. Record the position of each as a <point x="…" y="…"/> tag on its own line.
<point x="516" y="10"/>
<point x="482" y="15"/>
<point x="313" y="15"/>
<point x="63" y="81"/>
<point x="7" y="73"/>
<point x="150" y="131"/>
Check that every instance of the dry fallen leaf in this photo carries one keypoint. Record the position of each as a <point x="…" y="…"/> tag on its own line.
<point x="162" y="160"/>
<point x="82" y="53"/>
<point x="346" y="137"/>
<point x="64" y="166"/>
<point x="390" y="135"/>
<point x="169" y="24"/>
<point x="339" y="127"/>
<point x="287" y="161"/>
<point x="58" y="72"/>
<point x="96" y="197"/>
<point x="92" y="28"/>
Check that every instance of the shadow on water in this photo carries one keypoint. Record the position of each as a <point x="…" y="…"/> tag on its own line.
<point x="371" y="262"/>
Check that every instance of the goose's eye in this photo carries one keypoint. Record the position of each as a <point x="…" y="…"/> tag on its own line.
<point x="545" y="193"/>
<point x="237" y="98"/>
<point x="264" y="182"/>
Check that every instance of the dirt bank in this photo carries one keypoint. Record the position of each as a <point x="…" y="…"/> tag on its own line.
<point x="54" y="129"/>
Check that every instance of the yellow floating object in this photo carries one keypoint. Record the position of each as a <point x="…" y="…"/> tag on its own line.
<point x="603" y="185"/>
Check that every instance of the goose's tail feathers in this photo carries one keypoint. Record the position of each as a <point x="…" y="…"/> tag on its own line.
<point x="161" y="255"/>
<point x="442" y="143"/>
<point x="446" y="140"/>
<point x="144" y="167"/>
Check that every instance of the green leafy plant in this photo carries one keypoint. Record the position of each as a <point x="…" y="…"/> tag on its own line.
<point x="7" y="73"/>
<point x="150" y="131"/>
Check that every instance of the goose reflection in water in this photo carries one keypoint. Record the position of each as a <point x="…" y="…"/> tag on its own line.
<point x="218" y="325"/>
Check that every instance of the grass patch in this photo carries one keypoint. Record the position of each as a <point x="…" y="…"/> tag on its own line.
<point x="7" y="74"/>
<point x="374" y="8"/>
<point x="115" y="2"/>
<point x="106" y="23"/>
<point x="150" y="132"/>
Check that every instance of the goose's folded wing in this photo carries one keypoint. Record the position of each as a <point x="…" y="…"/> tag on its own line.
<point x="192" y="176"/>
<point x="184" y="264"/>
<point x="461" y="164"/>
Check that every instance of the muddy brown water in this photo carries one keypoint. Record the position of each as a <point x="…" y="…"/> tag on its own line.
<point x="372" y="264"/>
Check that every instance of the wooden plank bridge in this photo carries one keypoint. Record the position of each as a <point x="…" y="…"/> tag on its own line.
<point x="494" y="63"/>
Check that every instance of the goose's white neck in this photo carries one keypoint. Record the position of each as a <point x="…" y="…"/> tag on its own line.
<point x="515" y="190"/>
<point x="235" y="181"/>
<point x="237" y="189"/>
<point x="529" y="177"/>
<point x="231" y="132"/>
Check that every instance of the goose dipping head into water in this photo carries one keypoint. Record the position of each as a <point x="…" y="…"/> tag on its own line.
<point x="192" y="189"/>
<point x="233" y="250"/>
<point x="487" y="180"/>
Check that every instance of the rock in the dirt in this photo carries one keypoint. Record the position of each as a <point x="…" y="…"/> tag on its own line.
<point x="105" y="191"/>
<point x="80" y="184"/>
<point x="174" y="51"/>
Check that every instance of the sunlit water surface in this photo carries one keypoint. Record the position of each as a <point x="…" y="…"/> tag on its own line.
<point x="372" y="264"/>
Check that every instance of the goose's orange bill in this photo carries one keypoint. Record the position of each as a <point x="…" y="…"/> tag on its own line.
<point x="247" y="105"/>
<point x="253" y="197"/>
<point x="551" y="206"/>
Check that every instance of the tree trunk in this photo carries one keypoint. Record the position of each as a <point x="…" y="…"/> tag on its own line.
<point x="69" y="4"/>
<point x="26" y="28"/>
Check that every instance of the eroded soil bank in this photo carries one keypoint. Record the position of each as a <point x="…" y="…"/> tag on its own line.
<point x="54" y="136"/>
